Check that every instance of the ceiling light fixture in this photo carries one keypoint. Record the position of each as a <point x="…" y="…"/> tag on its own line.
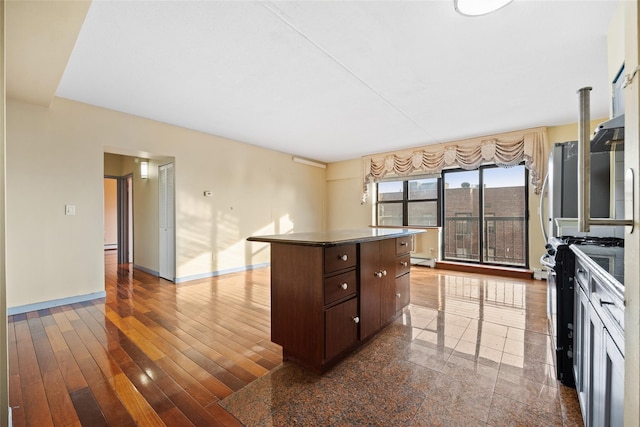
<point x="478" y="7"/>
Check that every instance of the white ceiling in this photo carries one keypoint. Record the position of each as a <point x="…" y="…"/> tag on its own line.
<point x="337" y="80"/>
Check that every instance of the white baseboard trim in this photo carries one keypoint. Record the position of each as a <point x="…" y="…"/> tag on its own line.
<point x="54" y="303"/>
<point x="220" y="272"/>
<point x="146" y="270"/>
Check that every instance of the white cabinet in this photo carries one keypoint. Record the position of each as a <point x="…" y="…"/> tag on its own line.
<point x="599" y="347"/>
<point x="581" y="347"/>
<point x="611" y="410"/>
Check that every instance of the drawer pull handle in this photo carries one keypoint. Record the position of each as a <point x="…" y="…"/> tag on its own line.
<point x="403" y="243"/>
<point x="398" y="295"/>
<point x="356" y="319"/>
<point x="606" y="302"/>
<point x="580" y="271"/>
<point x="343" y="257"/>
<point x="404" y="263"/>
<point x="384" y="272"/>
<point x="378" y="274"/>
<point x="344" y="286"/>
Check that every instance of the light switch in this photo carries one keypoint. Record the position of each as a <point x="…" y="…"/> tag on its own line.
<point x="207" y="194"/>
<point x="69" y="209"/>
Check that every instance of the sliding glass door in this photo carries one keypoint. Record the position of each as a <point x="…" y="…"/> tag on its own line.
<point x="485" y="216"/>
<point x="462" y="215"/>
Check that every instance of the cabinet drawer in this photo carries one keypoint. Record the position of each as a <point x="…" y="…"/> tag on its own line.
<point x="582" y="275"/>
<point x="403" y="245"/>
<point x="402" y="291"/>
<point x="341" y="327"/>
<point x="340" y="286"/>
<point x="607" y="305"/>
<point x="403" y="264"/>
<point x="339" y="257"/>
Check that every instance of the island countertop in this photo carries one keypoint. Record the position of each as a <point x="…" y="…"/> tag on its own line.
<point x="336" y="237"/>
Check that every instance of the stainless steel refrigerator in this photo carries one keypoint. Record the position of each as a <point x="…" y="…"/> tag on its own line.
<point x="562" y="185"/>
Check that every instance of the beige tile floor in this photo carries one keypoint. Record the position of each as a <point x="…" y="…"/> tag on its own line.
<point x="470" y="350"/>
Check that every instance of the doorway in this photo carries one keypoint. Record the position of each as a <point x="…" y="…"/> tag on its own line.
<point x="118" y="216"/>
<point x="110" y="213"/>
<point x="166" y="208"/>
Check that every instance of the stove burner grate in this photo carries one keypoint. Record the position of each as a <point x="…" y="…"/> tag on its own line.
<point x="591" y="240"/>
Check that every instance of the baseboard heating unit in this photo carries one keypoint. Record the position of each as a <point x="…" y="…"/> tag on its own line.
<point x="426" y="262"/>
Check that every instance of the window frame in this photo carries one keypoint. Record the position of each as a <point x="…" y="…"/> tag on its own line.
<point x="482" y="216"/>
<point x="405" y="202"/>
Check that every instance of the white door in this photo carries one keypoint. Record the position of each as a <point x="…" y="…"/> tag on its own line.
<point x="167" y="221"/>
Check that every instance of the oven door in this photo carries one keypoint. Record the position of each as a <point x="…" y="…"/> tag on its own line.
<point x="552" y="297"/>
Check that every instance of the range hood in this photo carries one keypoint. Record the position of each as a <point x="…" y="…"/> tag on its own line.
<point x="609" y="135"/>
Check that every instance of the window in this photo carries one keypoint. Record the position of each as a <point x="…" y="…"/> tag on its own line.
<point x="485" y="215"/>
<point x="409" y="203"/>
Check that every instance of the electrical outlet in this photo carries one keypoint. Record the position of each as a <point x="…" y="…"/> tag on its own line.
<point x="69" y="209"/>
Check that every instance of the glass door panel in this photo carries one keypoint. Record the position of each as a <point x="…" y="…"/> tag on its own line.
<point x="461" y="215"/>
<point x="504" y="216"/>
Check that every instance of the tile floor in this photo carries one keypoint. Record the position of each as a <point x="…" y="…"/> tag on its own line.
<point x="470" y="350"/>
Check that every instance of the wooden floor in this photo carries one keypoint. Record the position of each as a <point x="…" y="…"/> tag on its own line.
<point x="469" y="350"/>
<point x="150" y="353"/>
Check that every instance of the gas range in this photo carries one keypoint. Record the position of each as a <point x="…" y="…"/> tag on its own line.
<point x="561" y="243"/>
<point x="559" y="260"/>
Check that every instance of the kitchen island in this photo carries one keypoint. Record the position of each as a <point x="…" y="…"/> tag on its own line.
<point x="332" y="291"/>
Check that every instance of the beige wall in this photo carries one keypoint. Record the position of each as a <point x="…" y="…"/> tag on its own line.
<point x="51" y="164"/>
<point x="113" y="165"/>
<point x="56" y="157"/>
<point x="344" y="196"/>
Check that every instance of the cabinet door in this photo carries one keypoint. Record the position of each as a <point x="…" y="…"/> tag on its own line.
<point x="595" y="372"/>
<point x="402" y="291"/>
<point x="581" y="346"/>
<point x="341" y="326"/>
<point x="369" y="288"/>
<point x="612" y="407"/>
<point x="388" y="280"/>
<point x="377" y="285"/>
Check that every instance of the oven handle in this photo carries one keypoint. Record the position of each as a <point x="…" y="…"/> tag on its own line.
<point x="544" y="260"/>
<point x="543" y="214"/>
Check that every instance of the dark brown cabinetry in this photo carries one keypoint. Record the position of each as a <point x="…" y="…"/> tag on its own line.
<point x="341" y="328"/>
<point x="403" y="265"/>
<point x="377" y="287"/>
<point x="328" y="297"/>
<point x="314" y="309"/>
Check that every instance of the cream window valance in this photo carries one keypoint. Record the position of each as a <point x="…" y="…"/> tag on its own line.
<point x="508" y="149"/>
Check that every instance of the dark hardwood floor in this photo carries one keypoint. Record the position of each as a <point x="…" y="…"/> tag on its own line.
<point x="149" y="353"/>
